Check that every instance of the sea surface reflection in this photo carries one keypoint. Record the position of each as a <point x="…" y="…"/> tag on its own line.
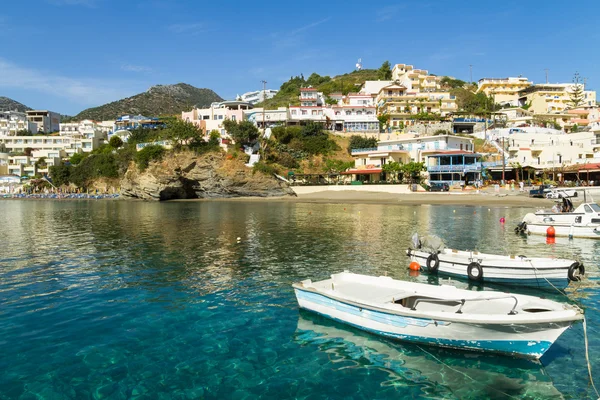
<point x="115" y="299"/>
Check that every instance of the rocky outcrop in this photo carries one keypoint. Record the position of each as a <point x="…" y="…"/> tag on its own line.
<point x="188" y="176"/>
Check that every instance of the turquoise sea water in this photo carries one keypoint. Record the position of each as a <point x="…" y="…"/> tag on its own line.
<point x="124" y="300"/>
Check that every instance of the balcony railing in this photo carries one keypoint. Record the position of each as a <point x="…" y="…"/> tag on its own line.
<point x="454" y="168"/>
<point x="365" y="150"/>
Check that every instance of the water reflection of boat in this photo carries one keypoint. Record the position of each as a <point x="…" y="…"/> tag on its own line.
<point x="452" y="374"/>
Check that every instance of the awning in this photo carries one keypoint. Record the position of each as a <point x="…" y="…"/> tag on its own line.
<point x="363" y="171"/>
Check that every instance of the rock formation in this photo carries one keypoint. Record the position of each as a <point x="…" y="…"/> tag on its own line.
<point x="188" y="176"/>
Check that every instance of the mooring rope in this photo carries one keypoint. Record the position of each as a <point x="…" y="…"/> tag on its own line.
<point x="585" y="336"/>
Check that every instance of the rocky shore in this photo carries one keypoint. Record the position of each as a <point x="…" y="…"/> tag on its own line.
<point x="188" y="176"/>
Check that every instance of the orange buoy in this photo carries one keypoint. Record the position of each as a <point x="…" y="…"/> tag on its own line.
<point x="550" y="232"/>
<point x="413" y="273"/>
<point x="414" y="266"/>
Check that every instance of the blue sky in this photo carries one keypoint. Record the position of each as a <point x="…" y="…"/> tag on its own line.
<point x="67" y="55"/>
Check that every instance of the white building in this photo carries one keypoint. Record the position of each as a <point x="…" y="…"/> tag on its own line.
<point x="45" y="121"/>
<point x="12" y="122"/>
<point x="407" y="148"/>
<point x="257" y="96"/>
<point x="270" y="117"/>
<point x="212" y="118"/>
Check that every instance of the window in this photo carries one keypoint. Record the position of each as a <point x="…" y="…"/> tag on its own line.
<point x="337" y="113"/>
<point x="359" y="113"/>
<point x="348" y="113"/>
<point x="220" y="117"/>
<point x="369" y="112"/>
<point x="233" y="117"/>
<point x="206" y="117"/>
<point x="293" y="112"/>
<point x="304" y="112"/>
<point x="314" y="112"/>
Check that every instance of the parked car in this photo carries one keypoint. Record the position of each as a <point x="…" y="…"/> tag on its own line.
<point x="540" y="192"/>
<point x="439" y="187"/>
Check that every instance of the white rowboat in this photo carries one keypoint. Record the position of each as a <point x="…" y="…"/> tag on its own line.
<point x="440" y="315"/>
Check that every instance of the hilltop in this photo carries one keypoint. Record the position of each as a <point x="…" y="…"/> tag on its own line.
<point x="158" y="100"/>
<point x="7" y="104"/>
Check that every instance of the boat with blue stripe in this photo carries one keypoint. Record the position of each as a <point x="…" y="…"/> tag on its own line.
<point x="440" y="315"/>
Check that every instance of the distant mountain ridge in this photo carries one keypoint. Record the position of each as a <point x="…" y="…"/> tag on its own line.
<point x="158" y="100"/>
<point x="7" y="104"/>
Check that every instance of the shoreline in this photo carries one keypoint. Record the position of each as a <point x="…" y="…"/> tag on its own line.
<point x="421" y="198"/>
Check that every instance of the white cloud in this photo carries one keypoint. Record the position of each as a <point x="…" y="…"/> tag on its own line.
<point x="192" y="28"/>
<point x="135" y="68"/>
<point x="306" y="27"/>
<point x="81" y="91"/>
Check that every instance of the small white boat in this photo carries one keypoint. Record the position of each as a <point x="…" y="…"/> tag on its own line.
<point x="583" y="222"/>
<point x="440" y="315"/>
<point x="481" y="267"/>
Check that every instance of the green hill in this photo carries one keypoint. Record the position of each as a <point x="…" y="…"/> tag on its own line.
<point x="158" y="100"/>
<point x="7" y="104"/>
<point x="290" y="90"/>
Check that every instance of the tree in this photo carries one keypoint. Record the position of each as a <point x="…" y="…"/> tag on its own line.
<point x="413" y="170"/>
<point x="385" y="71"/>
<point x="384" y="122"/>
<point x="115" y="142"/>
<point x="182" y="133"/>
<point x="312" y="128"/>
<point x="576" y="95"/>
<point x="393" y="169"/>
<point x="77" y="158"/>
<point x="214" y="137"/>
<point x="337" y="166"/>
<point x="243" y="133"/>
<point x="60" y="174"/>
<point x="149" y="153"/>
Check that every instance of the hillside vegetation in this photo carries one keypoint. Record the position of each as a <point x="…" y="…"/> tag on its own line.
<point x="158" y="100"/>
<point x="290" y="90"/>
<point x="7" y="104"/>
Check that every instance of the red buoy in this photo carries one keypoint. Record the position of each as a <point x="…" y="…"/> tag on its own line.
<point x="550" y="240"/>
<point x="414" y="266"/>
<point x="550" y="232"/>
<point x="502" y="220"/>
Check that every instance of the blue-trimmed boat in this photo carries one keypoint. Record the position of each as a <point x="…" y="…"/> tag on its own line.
<point x="440" y="315"/>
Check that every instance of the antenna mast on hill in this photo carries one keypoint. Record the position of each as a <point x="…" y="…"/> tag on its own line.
<point x="359" y="64"/>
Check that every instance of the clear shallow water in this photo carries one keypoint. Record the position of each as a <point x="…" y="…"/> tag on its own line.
<point x="116" y="300"/>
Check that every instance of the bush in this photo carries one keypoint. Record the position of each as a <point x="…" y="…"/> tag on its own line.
<point x="77" y="158"/>
<point x="115" y="142"/>
<point x="147" y="154"/>
<point x="359" y="142"/>
<point x="263" y="168"/>
<point x="95" y="166"/>
<point x="60" y="174"/>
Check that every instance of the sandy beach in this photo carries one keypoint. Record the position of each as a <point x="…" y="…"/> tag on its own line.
<point x="487" y="198"/>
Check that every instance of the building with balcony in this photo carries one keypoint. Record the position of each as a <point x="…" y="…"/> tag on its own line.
<point x="403" y="105"/>
<point x="310" y="97"/>
<point x="212" y="118"/>
<point x="270" y="117"/>
<point x="455" y="167"/>
<point x="257" y="96"/>
<point x="368" y="163"/>
<point x="13" y="122"/>
<point x="86" y="129"/>
<point x="44" y="121"/>
<point x="130" y="122"/>
<point x="415" y="80"/>
<point x="552" y="151"/>
<point x="503" y="90"/>
<point x="550" y="98"/>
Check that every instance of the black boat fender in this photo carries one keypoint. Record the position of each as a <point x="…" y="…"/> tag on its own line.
<point x="475" y="272"/>
<point x="576" y="271"/>
<point x="433" y="263"/>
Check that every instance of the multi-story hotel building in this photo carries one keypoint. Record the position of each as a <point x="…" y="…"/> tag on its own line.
<point x="552" y="97"/>
<point x="45" y="121"/>
<point x="257" y="96"/>
<point x="402" y="104"/>
<point x="12" y="122"/>
<point x="503" y="90"/>
<point x="212" y="118"/>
